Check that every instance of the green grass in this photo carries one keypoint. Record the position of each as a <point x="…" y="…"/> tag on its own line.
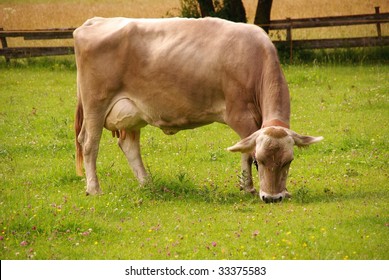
<point x="193" y="209"/>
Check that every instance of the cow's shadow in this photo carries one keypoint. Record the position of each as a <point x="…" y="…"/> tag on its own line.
<point x="170" y="189"/>
<point x="165" y="189"/>
<point x="177" y="188"/>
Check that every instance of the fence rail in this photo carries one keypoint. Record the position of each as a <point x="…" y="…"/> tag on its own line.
<point x="376" y="18"/>
<point x="43" y="34"/>
<point x="23" y="52"/>
<point x="288" y="24"/>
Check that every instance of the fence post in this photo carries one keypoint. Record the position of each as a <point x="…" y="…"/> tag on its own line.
<point x="377" y="11"/>
<point x="289" y="39"/>
<point x="5" y="46"/>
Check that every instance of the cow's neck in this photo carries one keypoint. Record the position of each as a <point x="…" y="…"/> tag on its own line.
<point x="275" y="122"/>
<point x="275" y="106"/>
<point x="273" y="96"/>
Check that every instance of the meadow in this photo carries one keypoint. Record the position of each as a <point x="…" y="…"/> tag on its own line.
<point x="193" y="208"/>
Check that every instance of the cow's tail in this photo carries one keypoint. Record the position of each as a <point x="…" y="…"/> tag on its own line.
<point x="77" y="126"/>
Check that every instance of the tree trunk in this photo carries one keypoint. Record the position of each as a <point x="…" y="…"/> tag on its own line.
<point x="206" y="8"/>
<point x="262" y="16"/>
<point x="234" y="10"/>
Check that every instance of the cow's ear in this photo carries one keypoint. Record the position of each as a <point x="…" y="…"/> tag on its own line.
<point x="246" y="145"/>
<point x="303" y="141"/>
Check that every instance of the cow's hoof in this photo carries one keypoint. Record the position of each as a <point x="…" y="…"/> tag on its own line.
<point x="251" y="190"/>
<point x="94" y="192"/>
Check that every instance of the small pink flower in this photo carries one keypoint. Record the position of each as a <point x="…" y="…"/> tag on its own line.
<point x="214" y="244"/>
<point x="23" y="243"/>
<point x="1" y="237"/>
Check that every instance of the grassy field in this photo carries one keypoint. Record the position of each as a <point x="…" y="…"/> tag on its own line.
<point x="193" y="209"/>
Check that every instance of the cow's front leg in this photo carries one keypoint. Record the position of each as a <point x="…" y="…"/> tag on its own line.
<point x="129" y="142"/>
<point x="246" y="180"/>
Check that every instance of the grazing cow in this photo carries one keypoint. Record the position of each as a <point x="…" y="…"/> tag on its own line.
<point x="180" y="74"/>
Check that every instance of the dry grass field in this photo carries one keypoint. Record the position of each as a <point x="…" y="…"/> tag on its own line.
<point x="71" y="13"/>
<point x="29" y="14"/>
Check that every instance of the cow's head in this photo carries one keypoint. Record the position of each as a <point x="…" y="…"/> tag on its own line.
<point x="272" y="148"/>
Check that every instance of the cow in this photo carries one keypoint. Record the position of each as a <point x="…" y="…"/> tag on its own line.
<point x="178" y="74"/>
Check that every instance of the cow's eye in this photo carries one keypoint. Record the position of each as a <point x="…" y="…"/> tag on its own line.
<point x="261" y="162"/>
<point x="287" y="163"/>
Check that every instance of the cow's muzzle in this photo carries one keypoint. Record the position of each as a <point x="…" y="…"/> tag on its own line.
<point x="270" y="198"/>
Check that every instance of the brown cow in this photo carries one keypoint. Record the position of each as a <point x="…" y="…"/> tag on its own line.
<point x="180" y="74"/>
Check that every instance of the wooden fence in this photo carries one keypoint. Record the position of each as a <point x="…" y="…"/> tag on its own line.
<point x="46" y="34"/>
<point x="288" y="24"/>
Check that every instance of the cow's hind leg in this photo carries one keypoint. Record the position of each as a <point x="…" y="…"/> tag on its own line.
<point x="129" y="142"/>
<point x="89" y="140"/>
